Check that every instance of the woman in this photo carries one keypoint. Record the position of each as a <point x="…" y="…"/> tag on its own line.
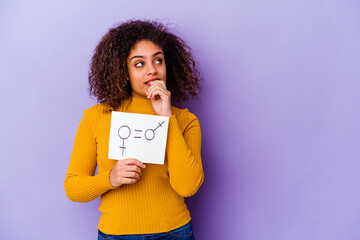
<point x="139" y="67"/>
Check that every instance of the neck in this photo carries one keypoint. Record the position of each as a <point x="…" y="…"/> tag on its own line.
<point x="139" y="105"/>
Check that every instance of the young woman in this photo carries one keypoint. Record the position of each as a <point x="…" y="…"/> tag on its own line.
<point x="139" y="67"/>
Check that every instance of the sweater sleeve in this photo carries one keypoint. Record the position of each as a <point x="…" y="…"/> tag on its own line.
<point x="184" y="157"/>
<point x="80" y="183"/>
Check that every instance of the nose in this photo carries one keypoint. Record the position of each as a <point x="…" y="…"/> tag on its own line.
<point x="151" y="70"/>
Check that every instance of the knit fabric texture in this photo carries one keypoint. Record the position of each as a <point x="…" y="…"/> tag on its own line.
<point x="155" y="203"/>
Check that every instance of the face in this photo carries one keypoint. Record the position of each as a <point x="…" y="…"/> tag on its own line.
<point x="145" y="63"/>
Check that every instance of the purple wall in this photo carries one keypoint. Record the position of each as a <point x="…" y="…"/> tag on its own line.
<point x="279" y="112"/>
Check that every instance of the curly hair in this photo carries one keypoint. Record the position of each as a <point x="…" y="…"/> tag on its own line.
<point x="108" y="75"/>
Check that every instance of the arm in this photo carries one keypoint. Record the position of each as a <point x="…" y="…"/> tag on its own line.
<point x="184" y="157"/>
<point x="80" y="183"/>
<point x="183" y="148"/>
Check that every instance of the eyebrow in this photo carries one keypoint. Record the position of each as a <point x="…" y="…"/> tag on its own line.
<point x="159" y="52"/>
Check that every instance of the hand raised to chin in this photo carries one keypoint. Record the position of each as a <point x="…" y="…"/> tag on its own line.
<point x="160" y="98"/>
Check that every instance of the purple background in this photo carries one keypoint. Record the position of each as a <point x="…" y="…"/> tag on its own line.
<point x="279" y="112"/>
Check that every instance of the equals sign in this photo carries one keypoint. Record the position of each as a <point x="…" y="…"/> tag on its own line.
<point x="136" y="130"/>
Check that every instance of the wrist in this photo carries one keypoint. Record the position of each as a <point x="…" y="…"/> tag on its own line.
<point x="166" y="114"/>
<point x="169" y="114"/>
<point x="112" y="182"/>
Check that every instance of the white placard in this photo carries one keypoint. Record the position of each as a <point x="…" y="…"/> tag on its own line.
<point x="139" y="136"/>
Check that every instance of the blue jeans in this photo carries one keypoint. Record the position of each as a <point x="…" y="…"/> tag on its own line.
<point x="185" y="233"/>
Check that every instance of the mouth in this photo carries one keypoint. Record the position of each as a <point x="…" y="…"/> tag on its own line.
<point x="149" y="82"/>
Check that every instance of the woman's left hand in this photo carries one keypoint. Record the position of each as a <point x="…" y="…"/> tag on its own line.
<point x="160" y="98"/>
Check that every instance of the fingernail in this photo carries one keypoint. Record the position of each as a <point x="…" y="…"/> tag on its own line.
<point x="143" y="165"/>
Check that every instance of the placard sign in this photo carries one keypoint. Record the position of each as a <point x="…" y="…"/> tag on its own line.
<point x="139" y="136"/>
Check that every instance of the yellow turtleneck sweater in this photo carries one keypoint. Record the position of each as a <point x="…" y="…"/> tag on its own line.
<point x="155" y="203"/>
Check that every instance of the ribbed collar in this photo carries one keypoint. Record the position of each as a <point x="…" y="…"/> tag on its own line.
<point x="139" y="105"/>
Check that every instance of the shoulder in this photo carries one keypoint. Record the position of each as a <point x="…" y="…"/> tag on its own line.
<point x="97" y="116"/>
<point x="183" y="114"/>
<point x="97" y="110"/>
<point x="185" y="118"/>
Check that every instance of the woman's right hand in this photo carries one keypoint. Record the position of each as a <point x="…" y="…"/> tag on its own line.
<point x="126" y="171"/>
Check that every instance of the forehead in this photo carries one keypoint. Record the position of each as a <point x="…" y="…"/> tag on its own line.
<point x="144" y="48"/>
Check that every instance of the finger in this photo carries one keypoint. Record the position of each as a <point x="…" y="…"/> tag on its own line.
<point x="163" y="93"/>
<point x="129" y="180"/>
<point x="131" y="175"/>
<point x="133" y="161"/>
<point x="160" y="84"/>
<point x="156" y="95"/>
<point x="133" y="168"/>
<point x="157" y="85"/>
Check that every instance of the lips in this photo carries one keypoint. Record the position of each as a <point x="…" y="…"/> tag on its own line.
<point x="148" y="82"/>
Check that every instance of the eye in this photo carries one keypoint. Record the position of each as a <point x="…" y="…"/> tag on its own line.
<point x="158" y="61"/>
<point x="139" y="64"/>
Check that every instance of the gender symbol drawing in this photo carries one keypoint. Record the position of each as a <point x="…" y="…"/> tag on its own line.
<point x="124" y="133"/>
<point x="139" y="136"/>
<point x="151" y="132"/>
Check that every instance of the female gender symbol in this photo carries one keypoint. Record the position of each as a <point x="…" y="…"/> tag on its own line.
<point x="124" y="133"/>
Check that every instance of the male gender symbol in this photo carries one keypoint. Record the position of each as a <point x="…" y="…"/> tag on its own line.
<point x="150" y="133"/>
<point x="124" y="133"/>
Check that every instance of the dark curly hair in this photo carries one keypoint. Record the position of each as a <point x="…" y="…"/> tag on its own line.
<point x="108" y="76"/>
